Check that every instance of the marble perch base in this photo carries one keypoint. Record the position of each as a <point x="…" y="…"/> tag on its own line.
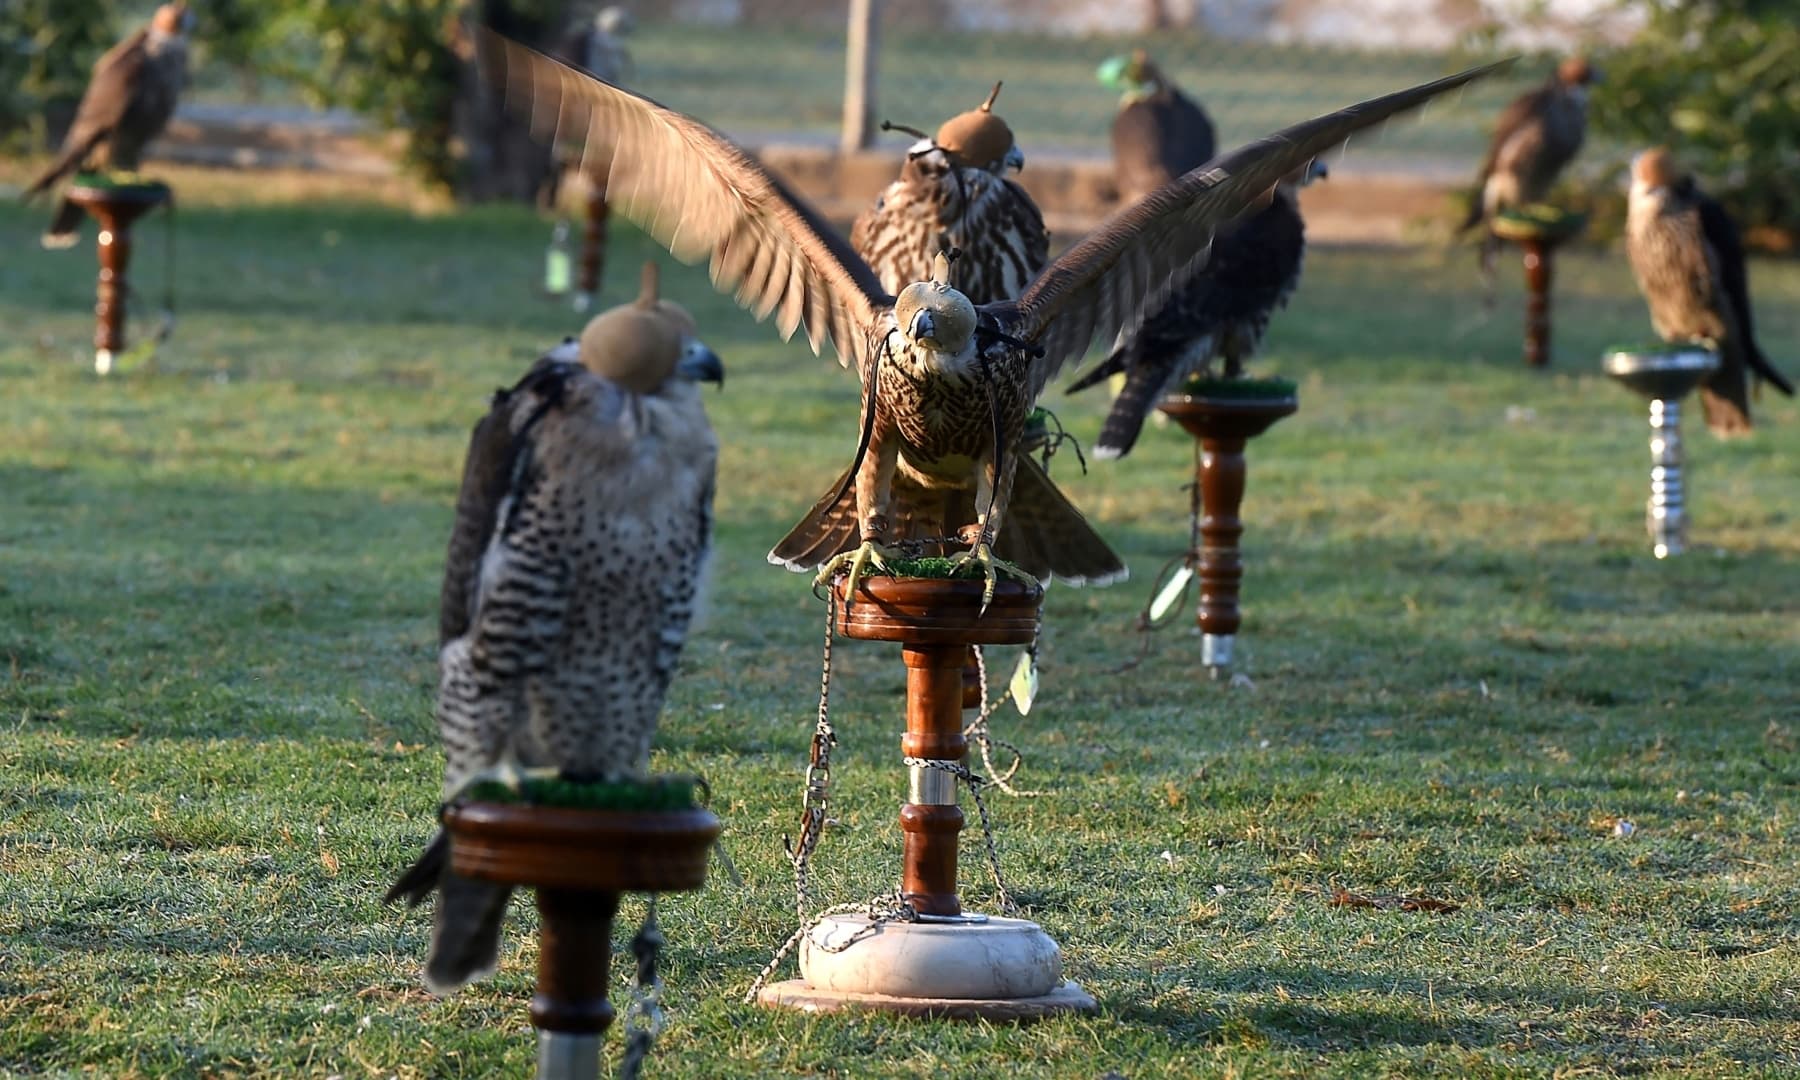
<point x="983" y="968"/>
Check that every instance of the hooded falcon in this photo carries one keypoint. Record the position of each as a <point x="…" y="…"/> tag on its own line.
<point x="1536" y="138"/>
<point x="1159" y="133"/>
<point x="128" y="102"/>
<point x="1689" y="262"/>
<point x="1221" y="313"/>
<point x="953" y="193"/>
<point x="582" y="528"/>
<point x="947" y="386"/>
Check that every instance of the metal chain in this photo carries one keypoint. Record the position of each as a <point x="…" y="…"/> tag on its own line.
<point x="644" y="1019"/>
<point x="975" y="783"/>
<point x="983" y="735"/>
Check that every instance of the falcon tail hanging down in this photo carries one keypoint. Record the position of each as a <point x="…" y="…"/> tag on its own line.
<point x="1536" y="138"/>
<point x="582" y="529"/>
<point x="128" y="102"/>
<point x="1159" y="133"/>
<point x="1689" y="262"/>
<point x="953" y="193"/>
<point x="1221" y="313"/>
<point x="947" y="386"/>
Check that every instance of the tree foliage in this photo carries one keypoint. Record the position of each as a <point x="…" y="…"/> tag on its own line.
<point x="1718" y="81"/>
<point x="46" y="50"/>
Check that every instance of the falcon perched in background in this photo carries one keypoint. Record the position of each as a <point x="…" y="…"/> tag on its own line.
<point x="953" y="194"/>
<point x="1222" y="312"/>
<point x="1689" y="263"/>
<point x="1159" y="133"/>
<point x="582" y="530"/>
<point x="1536" y="138"/>
<point x="947" y="386"/>
<point x="128" y="102"/>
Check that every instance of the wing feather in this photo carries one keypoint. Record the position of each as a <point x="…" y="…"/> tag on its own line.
<point x="701" y="197"/>
<point x="1129" y="265"/>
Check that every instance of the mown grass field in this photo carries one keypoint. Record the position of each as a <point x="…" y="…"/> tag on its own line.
<point x="217" y="582"/>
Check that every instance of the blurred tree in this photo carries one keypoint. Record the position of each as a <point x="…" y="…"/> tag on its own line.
<point x="47" y="48"/>
<point x="1718" y="81"/>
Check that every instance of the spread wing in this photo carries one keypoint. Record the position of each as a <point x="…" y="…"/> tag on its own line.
<point x="1105" y="283"/>
<point x="700" y="197"/>
<point x="109" y="93"/>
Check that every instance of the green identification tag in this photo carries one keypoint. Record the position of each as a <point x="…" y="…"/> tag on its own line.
<point x="558" y="271"/>
<point x="1170" y="593"/>
<point x="1025" y="684"/>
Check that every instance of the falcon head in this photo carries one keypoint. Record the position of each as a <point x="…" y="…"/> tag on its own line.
<point x="979" y="139"/>
<point x="1655" y="170"/>
<point x="933" y="315"/>
<point x="172" y="19"/>
<point x="1577" y="71"/>
<point x="641" y="344"/>
<point x="1133" y="74"/>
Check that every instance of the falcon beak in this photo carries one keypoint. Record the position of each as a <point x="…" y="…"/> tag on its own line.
<point x="700" y="364"/>
<point x="1015" y="159"/>
<point x="923" y="326"/>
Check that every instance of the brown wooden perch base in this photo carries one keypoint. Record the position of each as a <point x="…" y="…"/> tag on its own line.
<point x="115" y="207"/>
<point x="579" y="861"/>
<point x="1538" y="236"/>
<point x="1223" y="426"/>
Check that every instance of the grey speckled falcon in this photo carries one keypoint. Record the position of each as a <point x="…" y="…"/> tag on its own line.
<point x="582" y="530"/>
<point x="953" y="193"/>
<point x="128" y="101"/>
<point x="1221" y="313"/>
<point x="947" y="386"/>
<point x="1533" y="142"/>
<point x="1689" y="262"/>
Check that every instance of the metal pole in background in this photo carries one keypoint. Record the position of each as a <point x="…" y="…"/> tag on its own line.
<point x="859" y="75"/>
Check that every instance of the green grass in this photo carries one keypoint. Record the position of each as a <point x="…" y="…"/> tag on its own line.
<point x="217" y="583"/>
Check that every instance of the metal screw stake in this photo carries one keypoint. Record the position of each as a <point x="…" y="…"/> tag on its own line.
<point x="1666" y="513"/>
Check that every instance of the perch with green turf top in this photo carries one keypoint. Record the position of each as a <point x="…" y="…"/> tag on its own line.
<point x="115" y="202"/>
<point x="1539" y="230"/>
<point x="1222" y="414"/>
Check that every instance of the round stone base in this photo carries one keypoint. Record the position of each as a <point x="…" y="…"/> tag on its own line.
<point x="1064" y="998"/>
<point x="993" y="958"/>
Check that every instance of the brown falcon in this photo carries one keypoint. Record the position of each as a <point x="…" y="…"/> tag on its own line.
<point x="1159" y="132"/>
<point x="947" y="386"/>
<point x="1689" y="262"/>
<point x="1221" y="313"/>
<point x="1536" y="138"/>
<point x="582" y="529"/>
<point x="953" y="193"/>
<point x="128" y="102"/>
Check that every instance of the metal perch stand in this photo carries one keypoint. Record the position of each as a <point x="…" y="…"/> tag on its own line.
<point x="1665" y="376"/>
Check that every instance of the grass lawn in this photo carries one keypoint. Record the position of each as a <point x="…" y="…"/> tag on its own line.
<point x="217" y="589"/>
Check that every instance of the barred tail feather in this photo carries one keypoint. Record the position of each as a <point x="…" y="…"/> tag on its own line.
<point x="1044" y="534"/>
<point x="64" y="226"/>
<point x="1126" y="420"/>
<point x="828" y="529"/>
<point x="465" y="933"/>
<point x="420" y="879"/>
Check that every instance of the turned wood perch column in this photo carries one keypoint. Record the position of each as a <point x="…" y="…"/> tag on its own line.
<point x="116" y="207"/>
<point x="593" y="245"/>
<point x="1223" y="426"/>
<point x="1539" y="231"/>
<point x="940" y="960"/>
<point x="579" y="861"/>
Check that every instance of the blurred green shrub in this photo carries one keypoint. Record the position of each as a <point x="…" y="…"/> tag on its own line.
<point x="1718" y="81"/>
<point x="46" y="50"/>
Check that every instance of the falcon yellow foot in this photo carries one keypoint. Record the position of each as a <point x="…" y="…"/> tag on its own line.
<point x="991" y="568"/>
<point x="857" y="563"/>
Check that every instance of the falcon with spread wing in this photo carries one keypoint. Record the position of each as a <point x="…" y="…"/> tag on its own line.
<point x="947" y="386"/>
<point x="1689" y="262"/>
<point x="128" y="102"/>
<point x="582" y="530"/>
<point x="1534" y="141"/>
<point x="1159" y="133"/>
<point x="1221" y="313"/>
<point x="953" y="193"/>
